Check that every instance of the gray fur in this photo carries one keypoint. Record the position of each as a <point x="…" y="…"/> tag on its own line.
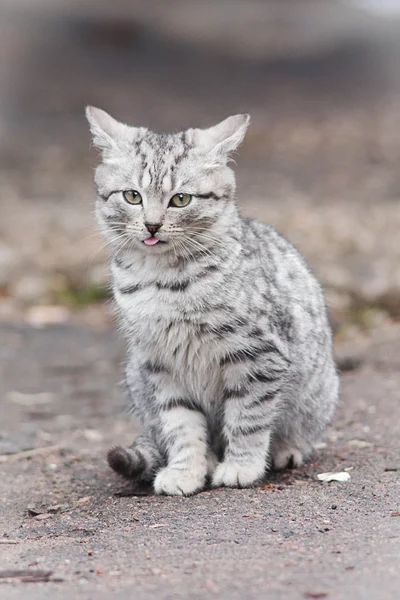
<point x="229" y="354"/>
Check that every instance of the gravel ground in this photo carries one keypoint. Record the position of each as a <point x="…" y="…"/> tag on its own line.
<point x="69" y="522"/>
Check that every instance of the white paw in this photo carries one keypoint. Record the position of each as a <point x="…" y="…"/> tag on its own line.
<point x="179" y="482"/>
<point x="231" y="474"/>
<point x="282" y="458"/>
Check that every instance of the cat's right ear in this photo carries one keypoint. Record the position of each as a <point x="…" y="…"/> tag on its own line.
<point x="107" y="132"/>
<point x="225" y="137"/>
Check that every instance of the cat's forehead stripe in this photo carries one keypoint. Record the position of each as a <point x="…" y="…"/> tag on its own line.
<point x="159" y="157"/>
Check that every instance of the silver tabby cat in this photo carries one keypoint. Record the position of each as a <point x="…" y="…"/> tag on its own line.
<point x="229" y="354"/>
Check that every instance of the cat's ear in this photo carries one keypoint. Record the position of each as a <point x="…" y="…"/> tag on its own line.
<point x="107" y="132"/>
<point x="225" y="137"/>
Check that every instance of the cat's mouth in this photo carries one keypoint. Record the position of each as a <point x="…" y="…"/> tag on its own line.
<point x="152" y="241"/>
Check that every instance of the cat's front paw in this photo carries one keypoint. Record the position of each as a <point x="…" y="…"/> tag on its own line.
<point x="231" y="474"/>
<point x="179" y="482"/>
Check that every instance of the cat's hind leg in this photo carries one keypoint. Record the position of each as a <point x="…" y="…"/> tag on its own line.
<point x="287" y="456"/>
<point x="140" y="461"/>
<point x="303" y="421"/>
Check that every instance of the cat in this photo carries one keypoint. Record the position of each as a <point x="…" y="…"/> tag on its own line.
<point x="229" y="364"/>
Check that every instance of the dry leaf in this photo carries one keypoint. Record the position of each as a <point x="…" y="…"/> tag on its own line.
<point x="267" y="486"/>
<point x="84" y="500"/>
<point x="342" y="476"/>
<point x="359" y="444"/>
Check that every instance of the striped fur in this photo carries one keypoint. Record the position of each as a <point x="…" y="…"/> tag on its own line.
<point x="229" y="360"/>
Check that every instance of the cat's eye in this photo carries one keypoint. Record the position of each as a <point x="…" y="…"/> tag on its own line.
<point x="132" y="196"/>
<point x="180" y="200"/>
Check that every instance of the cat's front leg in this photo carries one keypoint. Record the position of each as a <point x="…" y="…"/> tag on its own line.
<point x="185" y="433"/>
<point x="247" y="448"/>
<point x="184" y="438"/>
<point x="251" y="399"/>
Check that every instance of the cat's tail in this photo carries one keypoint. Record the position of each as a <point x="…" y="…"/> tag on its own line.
<point x="140" y="461"/>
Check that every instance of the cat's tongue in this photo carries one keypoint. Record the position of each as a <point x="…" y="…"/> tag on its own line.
<point x="151" y="241"/>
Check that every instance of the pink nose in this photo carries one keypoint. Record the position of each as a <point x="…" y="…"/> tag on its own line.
<point x="153" y="227"/>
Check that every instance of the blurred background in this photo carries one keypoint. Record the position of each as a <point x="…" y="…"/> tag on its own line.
<point x="320" y="78"/>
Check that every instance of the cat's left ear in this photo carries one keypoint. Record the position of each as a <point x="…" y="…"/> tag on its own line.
<point x="225" y="137"/>
<point x="108" y="133"/>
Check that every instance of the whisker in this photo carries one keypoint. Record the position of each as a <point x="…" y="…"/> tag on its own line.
<point x="122" y="239"/>
<point x="215" y="241"/>
<point x="197" y="246"/>
<point x="105" y="245"/>
<point x="195" y="233"/>
<point x="187" y="255"/>
<point x="87" y="237"/>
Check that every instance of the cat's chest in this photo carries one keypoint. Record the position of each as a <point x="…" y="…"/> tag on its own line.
<point x="170" y="332"/>
<point x="161" y="313"/>
<point x="173" y="332"/>
<point x="190" y="356"/>
<point x="166" y="307"/>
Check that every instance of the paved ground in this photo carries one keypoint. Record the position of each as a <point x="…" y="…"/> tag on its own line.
<point x="320" y="162"/>
<point x="292" y="538"/>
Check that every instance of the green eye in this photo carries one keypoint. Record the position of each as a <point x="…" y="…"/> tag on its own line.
<point x="180" y="200"/>
<point x="132" y="196"/>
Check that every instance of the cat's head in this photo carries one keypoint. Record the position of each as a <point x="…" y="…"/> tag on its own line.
<point x="165" y="192"/>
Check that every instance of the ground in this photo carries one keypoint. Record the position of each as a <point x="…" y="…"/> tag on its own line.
<point x="321" y="163"/>
<point x="63" y="511"/>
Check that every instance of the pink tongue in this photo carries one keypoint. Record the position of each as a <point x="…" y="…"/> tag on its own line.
<point x="151" y="241"/>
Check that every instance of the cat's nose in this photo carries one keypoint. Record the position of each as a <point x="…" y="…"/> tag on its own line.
<point x="153" y="227"/>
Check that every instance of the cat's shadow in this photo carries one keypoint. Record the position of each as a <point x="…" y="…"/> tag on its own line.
<point x="273" y="479"/>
